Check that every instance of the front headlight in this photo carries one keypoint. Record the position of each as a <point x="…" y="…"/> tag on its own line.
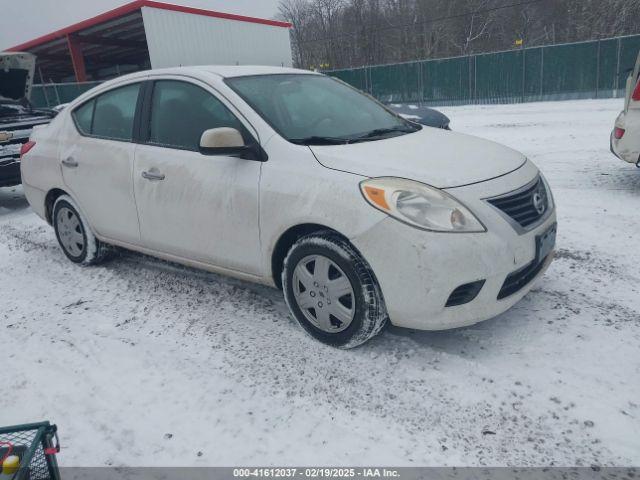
<point x="419" y="205"/>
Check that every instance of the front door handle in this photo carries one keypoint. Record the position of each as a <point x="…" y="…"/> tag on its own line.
<point x="69" y="162"/>
<point x="153" y="174"/>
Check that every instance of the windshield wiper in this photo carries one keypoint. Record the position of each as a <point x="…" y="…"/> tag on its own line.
<point x="318" y="140"/>
<point x="378" y="132"/>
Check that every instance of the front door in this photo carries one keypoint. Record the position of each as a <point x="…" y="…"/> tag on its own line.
<point x="194" y="206"/>
<point x="97" y="161"/>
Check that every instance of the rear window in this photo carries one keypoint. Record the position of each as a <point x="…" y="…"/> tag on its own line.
<point x="109" y="115"/>
<point x="83" y="117"/>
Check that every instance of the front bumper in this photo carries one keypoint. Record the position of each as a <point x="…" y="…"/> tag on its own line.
<point x="418" y="270"/>
<point x="9" y="172"/>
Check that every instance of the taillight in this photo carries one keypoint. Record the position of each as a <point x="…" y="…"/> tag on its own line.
<point x="26" y="147"/>
<point x="618" y="133"/>
<point x="636" y="93"/>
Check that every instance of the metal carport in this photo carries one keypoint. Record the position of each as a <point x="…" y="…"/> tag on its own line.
<point x="148" y="34"/>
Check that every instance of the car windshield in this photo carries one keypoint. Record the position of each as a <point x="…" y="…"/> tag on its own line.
<point x="315" y="109"/>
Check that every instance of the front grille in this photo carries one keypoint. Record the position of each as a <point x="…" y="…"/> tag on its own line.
<point x="520" y="278"/>
<point x="9" y="153"/>
<point x="464" y="293"/>
<point x="525" y="206"/>
<point x="10" y="149"/>
<point x="9" y="161"/>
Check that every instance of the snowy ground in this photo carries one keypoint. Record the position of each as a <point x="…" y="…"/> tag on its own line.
<point x="141" y="362"/>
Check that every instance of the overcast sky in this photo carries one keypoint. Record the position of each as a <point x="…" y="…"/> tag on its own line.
<point x="23" y="20"/>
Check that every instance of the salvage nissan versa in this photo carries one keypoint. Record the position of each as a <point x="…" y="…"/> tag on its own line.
<point x="293" y="179"/>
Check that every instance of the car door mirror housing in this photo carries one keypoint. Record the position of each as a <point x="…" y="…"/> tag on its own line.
<point x="224" y="137"/>
<point x="228" y="141"/>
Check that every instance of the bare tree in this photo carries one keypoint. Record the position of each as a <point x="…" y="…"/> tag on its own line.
<point x="474" y="26"/>
<point x="346" y="33"/>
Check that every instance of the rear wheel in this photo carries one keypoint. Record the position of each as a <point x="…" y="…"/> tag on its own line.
<point x="74" y="235"/>
<point x="332" y="292"/>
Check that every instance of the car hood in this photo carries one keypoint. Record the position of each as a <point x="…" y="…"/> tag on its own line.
<point x="437" y="157"/>
<point x="16" y="75"/>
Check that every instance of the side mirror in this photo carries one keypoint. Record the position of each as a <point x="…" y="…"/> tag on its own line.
<point x="224" y="137"/>
<point x="228" y="141"/>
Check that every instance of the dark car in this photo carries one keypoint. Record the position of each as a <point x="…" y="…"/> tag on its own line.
<point x="17" y="116"/>
<point x="423" y="115"/>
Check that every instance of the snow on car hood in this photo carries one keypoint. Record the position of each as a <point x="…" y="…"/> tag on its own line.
<point x="437" y="157"/>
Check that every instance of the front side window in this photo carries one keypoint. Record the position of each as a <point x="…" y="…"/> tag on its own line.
<point x="181" y="112"/>
<point x="307" y="108"/>
<point x="109" y="115"/>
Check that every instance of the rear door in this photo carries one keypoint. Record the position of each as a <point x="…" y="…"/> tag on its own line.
<point x="97" y="160"/>
<point x="198" y="207"/>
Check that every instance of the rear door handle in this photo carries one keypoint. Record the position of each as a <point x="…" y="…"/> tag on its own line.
<point x="153" y="174"/>
<point x="69" y="162"/>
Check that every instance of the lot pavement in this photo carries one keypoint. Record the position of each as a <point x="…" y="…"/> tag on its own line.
<point x="141" y="362"/>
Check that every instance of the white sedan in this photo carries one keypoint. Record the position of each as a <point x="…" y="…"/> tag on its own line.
<point x="293" y="179"/>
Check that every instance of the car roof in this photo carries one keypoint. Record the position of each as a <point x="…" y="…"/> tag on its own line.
<point x="223" y="71"/>
<point x="220" y="71"/>
<point x="246" y="70"/>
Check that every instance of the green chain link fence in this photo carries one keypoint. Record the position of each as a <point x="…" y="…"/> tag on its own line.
<point x="596" y="69"/>
<point x="52" y="94"/>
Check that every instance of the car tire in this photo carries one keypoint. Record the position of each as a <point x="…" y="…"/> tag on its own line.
<point x="332" y="291"/>
<point x="75" y="236"/>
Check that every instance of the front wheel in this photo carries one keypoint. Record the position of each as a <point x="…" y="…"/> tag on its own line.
<point x="74" y="235"/>
<point x="332" y="291"/>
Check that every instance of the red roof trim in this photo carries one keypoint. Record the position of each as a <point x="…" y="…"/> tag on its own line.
<point x="132" y="7"/>
<point x="211" y="13"/>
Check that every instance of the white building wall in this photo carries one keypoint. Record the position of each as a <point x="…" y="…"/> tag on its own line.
<point x="177" y="38"/>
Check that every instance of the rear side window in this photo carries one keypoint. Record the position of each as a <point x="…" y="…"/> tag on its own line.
<point x="109" y="115"/>
<point x="84" y="116"/>
<point x="181" y="112"/>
